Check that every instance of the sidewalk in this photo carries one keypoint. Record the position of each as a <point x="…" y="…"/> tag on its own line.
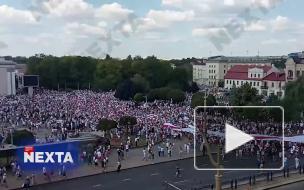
<point x="277" y="182"/>
<point x="132" y="159"/>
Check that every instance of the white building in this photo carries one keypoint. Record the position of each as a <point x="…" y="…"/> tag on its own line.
<point x="8" y="73"/>
<point x="294" y="66"/>
<point x="266" y="79"/>
<point x="200" y="72"/>
<point x="215" y="68"/>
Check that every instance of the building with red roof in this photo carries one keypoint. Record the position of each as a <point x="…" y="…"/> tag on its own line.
<point x="266" y="79"/>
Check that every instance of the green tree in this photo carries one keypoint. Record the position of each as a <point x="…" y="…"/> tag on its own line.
<point x="199" y="98"/>
<point x="244" y="95"/>
<point x="221" y="83"/>
<point x="176" y="95"/>
<point x="125" y="90"/>
<point x="293" y="101"/>
<point x="141" y="85"/>
<point x="139" y="97"/>
<point x="128" y="123"/>
<point x="193" y="87"/>
<point x="127" y="120"/>
<point x="106" y="124"/>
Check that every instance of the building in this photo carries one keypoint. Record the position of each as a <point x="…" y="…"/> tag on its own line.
<point x="268" y="80"/>
<point x="8" y="73"/>
<point x="294" y="66"/>
<point x="200" y="72"/>
<point x="215" y="68"/>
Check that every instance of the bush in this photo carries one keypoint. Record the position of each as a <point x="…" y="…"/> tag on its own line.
<point x="127" y="120"/>
<point x="166" y="94"/>
<point x="139" y="97"/>
<point x="106" y="124"/>
<point x="198" y="100"/>
<point x="21" y="138"/>
<point x="176" y="95"/>
<point x="125" y="90"/>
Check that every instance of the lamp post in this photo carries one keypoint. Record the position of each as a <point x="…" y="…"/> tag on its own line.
<point x="217" y="163"/>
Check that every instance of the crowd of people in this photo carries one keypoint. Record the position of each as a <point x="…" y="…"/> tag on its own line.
<point x="61" y="112"/>
<point x="266" y="151"/>
<point x="64" y="114"/>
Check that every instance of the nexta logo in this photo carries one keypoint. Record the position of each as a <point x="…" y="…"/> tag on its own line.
<point x="32" y="156"/>
<point x="52" y="156"/>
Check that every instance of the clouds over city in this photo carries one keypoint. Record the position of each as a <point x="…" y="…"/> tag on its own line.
<point x="192" y="22"/>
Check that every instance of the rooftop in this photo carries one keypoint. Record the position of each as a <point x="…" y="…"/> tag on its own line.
<point x="240" y="72"/>
<point x="6" y="62"/>
<point x="245" y="59"/>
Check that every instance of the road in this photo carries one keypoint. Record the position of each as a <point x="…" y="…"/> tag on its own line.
<point x="148" y="177"/>
<point x="295" y="186"/>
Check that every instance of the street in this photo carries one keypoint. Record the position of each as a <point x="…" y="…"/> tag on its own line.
<point x="150" y="177"/>
<point x="294" y="186"/>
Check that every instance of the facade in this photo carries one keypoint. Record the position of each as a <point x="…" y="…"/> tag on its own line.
<point x="216" y="67"/>
<point x="8" y="72"/>
<point x="294" y="66"/>
<point x="199" y="71"/>
<point x="266" y="79"/>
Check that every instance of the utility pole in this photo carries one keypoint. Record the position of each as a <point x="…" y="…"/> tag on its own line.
<point x="217" y="163"/>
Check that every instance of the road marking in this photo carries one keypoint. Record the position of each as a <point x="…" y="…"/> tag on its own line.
<point x="183" y="181"/>
<point x="174" y="186"/>
<point x="127" y="179"/>
<point x="154" y="174"/>
<point x="96" y="186"/>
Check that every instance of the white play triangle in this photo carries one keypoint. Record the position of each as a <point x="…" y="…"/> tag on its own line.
<point x="235" y="138"/>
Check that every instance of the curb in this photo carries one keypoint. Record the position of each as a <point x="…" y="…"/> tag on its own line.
<point x="280" y="184"/>
<point x="100" y="173"/>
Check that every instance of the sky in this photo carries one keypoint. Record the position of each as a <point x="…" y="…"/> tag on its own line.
<point x="168" y="29"/>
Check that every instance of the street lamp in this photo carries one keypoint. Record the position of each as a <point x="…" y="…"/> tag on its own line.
<point x="217" y="163"/>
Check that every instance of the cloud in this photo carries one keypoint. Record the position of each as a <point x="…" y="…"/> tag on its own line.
<point x="85" y="30"/>
<point x="157" y="19"/>
<point x="75" y="9"/>
<point x="113" y="11"/>
<point x="270" y="42"/>
<point x="266" y="4"/>
<point x="3" y="45"/>
<point x="12" y="16"/>
<point x="256" y="26"/>
<point x="208" y="32"/>
<point x="280" y="23"/>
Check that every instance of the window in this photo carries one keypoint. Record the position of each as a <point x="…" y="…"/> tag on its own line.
<point x="237" y="82"/>
<point x="230" y="81"/>
<point x="242" y="82"/>
<point x="253" y="83"/>
<point x="279" y="84"/>
<point x="227" y="81"/>
<point x="259" y="75"/>
<point x="258" y="83"/>
<point x="272" y="85"/>
<point x="254" y="75"/>
<point x="298" y="73"/>
<point x="224" y="71"/>
<point x="250" y="83"/>
<point x="251" y="75"/>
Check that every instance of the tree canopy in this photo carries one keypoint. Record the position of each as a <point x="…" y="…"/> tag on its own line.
<point x="106" y="124"/>
<point x="127" y="76"/>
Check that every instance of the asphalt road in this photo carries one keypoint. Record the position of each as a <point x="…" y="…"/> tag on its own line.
<point x="294" y="186"/>
<point x="150" y="177"/>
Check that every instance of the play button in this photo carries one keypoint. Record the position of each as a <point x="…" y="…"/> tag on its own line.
<point x="235" y="138"/>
